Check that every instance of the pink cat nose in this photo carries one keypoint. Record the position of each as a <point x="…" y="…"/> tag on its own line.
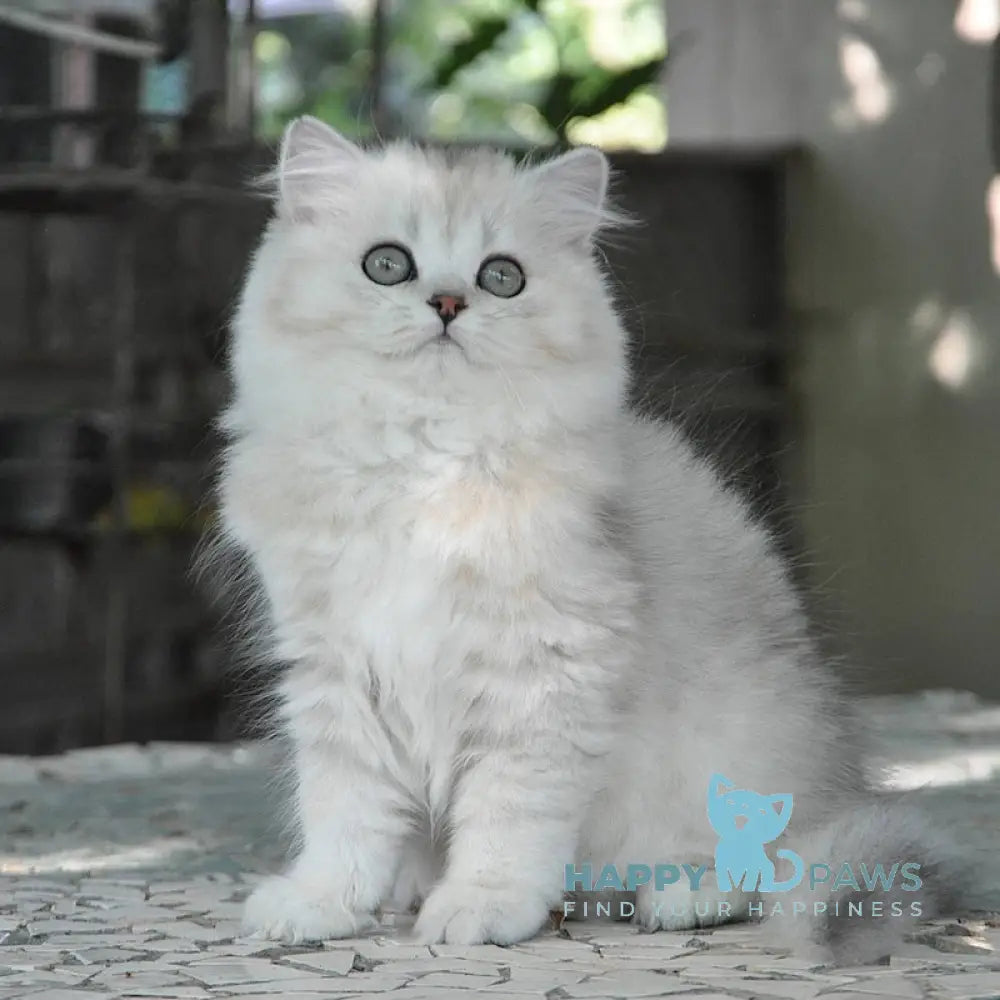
<point x="447" y="306"/>
<point x="741" y="821"/>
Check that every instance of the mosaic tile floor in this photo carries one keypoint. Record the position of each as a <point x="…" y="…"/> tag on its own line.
<point x="122" y="871"/>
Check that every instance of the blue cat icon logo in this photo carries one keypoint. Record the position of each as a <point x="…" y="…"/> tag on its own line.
<point x="745" y="821"/>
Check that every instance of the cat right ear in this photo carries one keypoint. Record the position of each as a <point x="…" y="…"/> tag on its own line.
<point x="315" y="163"/>
<point x="571" y="190"/>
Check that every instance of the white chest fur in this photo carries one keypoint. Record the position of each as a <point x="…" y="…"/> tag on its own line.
<point x="397" y="582"/>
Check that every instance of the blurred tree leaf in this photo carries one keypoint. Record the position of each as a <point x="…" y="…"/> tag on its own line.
<point x="578" y="89"/>
<point x="557" y="108"/>
<point x="531" y="72"/>
<point x="483" y="37"/>
<point x="602" y="90"/>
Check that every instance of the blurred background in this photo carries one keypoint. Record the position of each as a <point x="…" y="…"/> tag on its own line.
<point x="814" y="294"/>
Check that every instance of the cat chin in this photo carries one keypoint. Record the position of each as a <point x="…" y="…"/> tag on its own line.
<point x="443" y="349"/>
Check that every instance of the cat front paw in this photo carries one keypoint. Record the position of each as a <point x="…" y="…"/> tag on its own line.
<point x="466" y="913"/>
<point x="286" y="908"/>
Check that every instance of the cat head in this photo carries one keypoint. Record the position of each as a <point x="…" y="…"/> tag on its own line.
<point x="423" y="283"/>
<point x="737" y="813"/>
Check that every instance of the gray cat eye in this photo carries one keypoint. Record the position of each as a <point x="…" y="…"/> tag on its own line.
<point x="389" y="264"/>
<point x="501" y="276"/>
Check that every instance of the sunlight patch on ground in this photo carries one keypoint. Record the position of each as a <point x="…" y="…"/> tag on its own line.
<point x="89" y="858"/>
<point x="943" y="772"/>
<point x="935" y="739"/>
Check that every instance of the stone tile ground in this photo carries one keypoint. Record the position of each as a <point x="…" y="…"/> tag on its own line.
<point x="122" y="871"/>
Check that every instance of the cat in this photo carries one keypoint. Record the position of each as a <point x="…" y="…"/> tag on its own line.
<point x="740" y="854"/>
<point x="517" y="625"/>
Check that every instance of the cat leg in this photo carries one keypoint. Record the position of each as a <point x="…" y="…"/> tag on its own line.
<point x="353" y="824"/>
<point x="515" y="820"/>
<point x="419" y="869"/>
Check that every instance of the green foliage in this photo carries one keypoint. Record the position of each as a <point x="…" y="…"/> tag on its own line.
<point x="482" y="39"/>
<point x="317" y="65"/>
<point x="576" y="86"/>
<point x="512" y="71"/>
<point x="594" y="94"/>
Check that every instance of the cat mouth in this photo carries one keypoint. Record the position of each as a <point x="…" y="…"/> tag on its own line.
<point x="442" y="341"/>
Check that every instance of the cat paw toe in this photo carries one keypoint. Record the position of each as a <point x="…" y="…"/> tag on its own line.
<point x="475" y="914"/>
<point x="284" y="909"/>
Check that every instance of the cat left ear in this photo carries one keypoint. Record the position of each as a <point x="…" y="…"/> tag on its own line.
<point x="315" y="160"/>
<point x="573" y="188"/>
<point x="719" y="784"/>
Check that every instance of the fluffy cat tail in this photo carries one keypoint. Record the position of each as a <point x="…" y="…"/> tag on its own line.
<point x="858" y="914"/>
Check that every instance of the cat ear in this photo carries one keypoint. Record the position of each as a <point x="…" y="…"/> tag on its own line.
<point x="571" y="189"/>
<point x="782" y="804"/>
<point x="315" y="163"/>
<point x="719" y="784"/>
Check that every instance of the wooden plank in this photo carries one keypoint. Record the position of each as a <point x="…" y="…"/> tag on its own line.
<point x="106" y="190"/>
<point x="732" y="80"/>
<point x="77" y="309"/>
<point x="18" y="288"/>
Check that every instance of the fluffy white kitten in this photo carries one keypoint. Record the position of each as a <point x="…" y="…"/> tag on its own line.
<point x="519" y="626"/>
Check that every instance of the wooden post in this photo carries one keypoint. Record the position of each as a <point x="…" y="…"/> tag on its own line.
<point x="74" y="73"/>
<point x="123" y="390"/>
<point x="732" y="71"/>
<point x="25" y="81"/>
<point x="243" y="81"/>
<point x="209" y="68"/>
<point x="118" y="86"/>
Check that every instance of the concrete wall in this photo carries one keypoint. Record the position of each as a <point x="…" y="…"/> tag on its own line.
<point x="895" y="308"/>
